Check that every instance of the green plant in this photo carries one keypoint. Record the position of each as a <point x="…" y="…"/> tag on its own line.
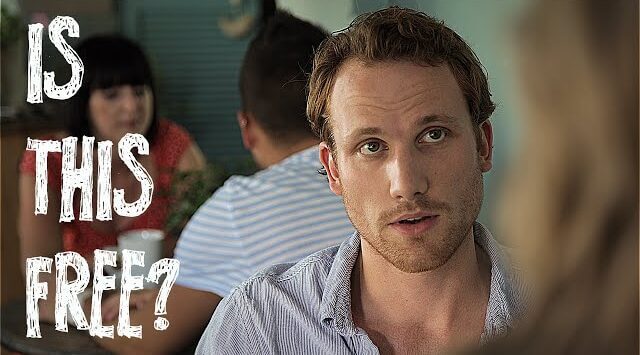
<point x="188" y="192"/>
<point x="10" y="26"/>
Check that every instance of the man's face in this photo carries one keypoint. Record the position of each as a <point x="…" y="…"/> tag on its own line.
<point x="406" y="160"/>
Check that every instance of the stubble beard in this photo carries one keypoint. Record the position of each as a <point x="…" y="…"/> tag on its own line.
<point x="433" y="248"/>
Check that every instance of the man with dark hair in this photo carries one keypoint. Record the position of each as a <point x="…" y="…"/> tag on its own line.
<point x="272" y="88"/>
<point x="402" y="105"/>
<point x="281" y="214"/>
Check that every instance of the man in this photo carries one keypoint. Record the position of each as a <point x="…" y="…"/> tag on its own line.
<point x="281" y="214"/>
<point x="402" y="106"/>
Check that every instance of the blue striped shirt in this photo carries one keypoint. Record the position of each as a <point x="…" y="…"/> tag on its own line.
<point x="305" y="308"/>
<point x="280" y="214"/>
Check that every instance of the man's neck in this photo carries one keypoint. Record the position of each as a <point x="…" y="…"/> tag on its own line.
<point x="446" y="305"/>
<point x="271" y="153"/>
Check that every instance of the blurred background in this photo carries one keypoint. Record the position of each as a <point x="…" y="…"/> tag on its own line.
<point x="195" y="48"/>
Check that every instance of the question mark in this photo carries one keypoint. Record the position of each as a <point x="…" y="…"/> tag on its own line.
<point x="163" y="266"/>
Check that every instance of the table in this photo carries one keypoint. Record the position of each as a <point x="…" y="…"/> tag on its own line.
<point x="14" y="335"/>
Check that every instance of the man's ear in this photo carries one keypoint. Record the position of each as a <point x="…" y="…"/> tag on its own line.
<point x="245" y="122"/>
<point x="485" y="146"/>
<point x="330" y="166"/>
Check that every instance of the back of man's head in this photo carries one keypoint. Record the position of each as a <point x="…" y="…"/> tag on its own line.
<point x="273" y="76"/>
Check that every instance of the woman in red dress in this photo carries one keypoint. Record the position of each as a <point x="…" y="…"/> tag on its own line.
<point x="117" y="96"/>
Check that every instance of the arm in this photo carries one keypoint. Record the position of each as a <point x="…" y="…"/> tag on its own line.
<point x="39" y="236"/>
<point x="192" y="159"/>
<point x="188" y="311"/>
<point x="232" y="330"/>
<point x="203" y="266"/>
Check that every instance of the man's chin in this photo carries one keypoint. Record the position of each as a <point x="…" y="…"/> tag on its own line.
<point x="417" y="254"/>
<point x="414" y="265"/>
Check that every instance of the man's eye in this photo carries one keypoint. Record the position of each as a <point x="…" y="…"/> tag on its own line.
<point x="371" y="148"/>
<point x="434" y="135"/>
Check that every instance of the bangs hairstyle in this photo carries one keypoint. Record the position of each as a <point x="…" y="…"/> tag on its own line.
<point x="396" y="34"/>
<point x="109" y="60"/>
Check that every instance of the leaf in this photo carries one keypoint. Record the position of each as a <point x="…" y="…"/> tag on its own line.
<point x="189" y="190"/>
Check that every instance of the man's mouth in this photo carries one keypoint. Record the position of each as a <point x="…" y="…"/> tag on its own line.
<point x="414" y="224"/>
<point x="414" y="220"/>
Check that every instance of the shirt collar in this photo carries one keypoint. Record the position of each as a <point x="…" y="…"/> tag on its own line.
<point x="505" y="304"/>
<point x="335" y="307"/>
<point x="502" y="308"/>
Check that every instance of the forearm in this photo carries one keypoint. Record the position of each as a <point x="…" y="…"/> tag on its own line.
<point x="152" y="341"/>
<point x="188" y="312"/>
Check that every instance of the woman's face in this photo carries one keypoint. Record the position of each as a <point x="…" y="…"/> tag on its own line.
<point x="121" y="109"/>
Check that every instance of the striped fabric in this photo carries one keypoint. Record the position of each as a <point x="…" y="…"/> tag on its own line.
<point x="280" y="214"/>
<point x="304" y="308"/>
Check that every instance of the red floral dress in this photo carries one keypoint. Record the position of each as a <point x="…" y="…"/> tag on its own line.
<point x="168" y="147"/>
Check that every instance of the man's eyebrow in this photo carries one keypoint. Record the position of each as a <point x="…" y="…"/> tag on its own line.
<point x="365" y="131"/>
<point x="438" y="118"/>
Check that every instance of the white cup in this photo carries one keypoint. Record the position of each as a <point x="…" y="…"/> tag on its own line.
<point x="150" y="241"/>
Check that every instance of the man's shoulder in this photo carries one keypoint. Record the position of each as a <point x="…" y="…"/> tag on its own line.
<point x="306" y="276"/>
<point x="235" y="188"/>
<point x="297" y="174"/>
<point x="277" y="310"/>
<point x="294" y="182"/>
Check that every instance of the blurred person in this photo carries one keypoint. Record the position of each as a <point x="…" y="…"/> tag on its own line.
<point x="402" y="106"/>
<point x="117" y="96"/>
<point x="571" y="207"/>
<point x="280" y="214"/>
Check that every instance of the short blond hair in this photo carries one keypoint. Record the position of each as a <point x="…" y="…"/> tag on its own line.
<point x="396" y="34"/>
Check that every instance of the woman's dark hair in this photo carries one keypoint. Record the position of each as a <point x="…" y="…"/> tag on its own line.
<point x="109" y="60"/>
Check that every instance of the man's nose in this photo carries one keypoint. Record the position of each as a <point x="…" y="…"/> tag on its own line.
<point x="407" y="174"/>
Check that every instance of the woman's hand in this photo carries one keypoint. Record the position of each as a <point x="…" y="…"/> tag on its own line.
<point x="137" y="300"/>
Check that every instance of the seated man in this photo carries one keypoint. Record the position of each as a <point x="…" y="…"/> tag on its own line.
<point x="281" y="214"/>
<point x="402" y="105"/>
